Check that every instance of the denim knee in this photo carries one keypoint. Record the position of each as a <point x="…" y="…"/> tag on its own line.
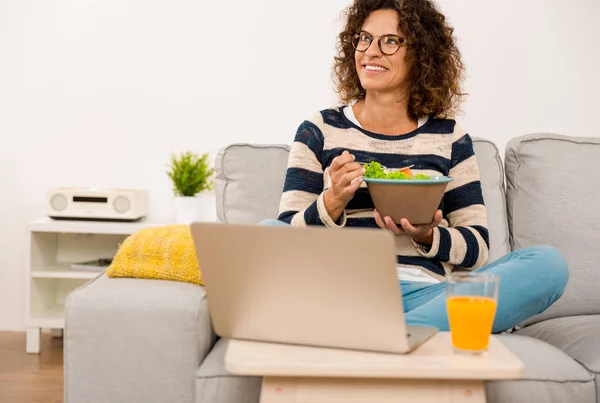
<point x="551" y="264"/>
<point x="272" y="222"/>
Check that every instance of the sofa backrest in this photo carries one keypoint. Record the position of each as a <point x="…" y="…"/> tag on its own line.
<point x="553" y="196"/>
<point x="249" y="181"/>
<point x="491" y="172"/>
<point x="250" y="177"/>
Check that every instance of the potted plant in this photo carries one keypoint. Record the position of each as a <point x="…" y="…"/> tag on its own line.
<point x="191" y="175"/>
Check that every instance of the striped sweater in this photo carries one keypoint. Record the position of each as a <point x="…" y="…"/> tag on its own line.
<point x="439" y="147"/>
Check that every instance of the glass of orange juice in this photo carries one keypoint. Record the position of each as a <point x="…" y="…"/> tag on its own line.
<point x="471" y="300"/>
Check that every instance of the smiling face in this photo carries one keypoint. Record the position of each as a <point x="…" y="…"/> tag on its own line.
<point x="376" y="70"/>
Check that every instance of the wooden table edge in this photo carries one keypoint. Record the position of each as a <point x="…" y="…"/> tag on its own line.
<point x="514" y="371"/>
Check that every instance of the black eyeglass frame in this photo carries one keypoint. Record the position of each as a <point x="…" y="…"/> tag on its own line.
<point x="356" y="37"/>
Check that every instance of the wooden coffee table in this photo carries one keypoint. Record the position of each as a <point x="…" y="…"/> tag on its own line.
<point x="432" y="373"/>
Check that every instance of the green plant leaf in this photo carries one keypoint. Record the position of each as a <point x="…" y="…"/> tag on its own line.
<point x="190" y="173"/>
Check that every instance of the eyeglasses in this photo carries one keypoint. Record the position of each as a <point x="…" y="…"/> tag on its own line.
<point x="388" y="44"/>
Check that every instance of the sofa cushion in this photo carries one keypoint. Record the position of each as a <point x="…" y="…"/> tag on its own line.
<point x="558" y="207"/>
<point x="250" y="177"/>
<point x="578" y="336"/>
<point x="491" y="172"/>
<point x="215" y="385"/>
<point x="249" y="181"/>
<point x="551" y="376"/>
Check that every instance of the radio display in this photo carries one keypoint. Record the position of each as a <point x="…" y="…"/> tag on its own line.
<point x="90" y="199"/>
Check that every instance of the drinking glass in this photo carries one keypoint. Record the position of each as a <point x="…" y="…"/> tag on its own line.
<point x="471" y="300"/>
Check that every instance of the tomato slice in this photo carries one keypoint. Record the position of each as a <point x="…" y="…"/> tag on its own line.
<point x="407" y="171"/>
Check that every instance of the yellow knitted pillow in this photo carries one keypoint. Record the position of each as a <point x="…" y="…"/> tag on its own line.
<point x="163" y="253"/>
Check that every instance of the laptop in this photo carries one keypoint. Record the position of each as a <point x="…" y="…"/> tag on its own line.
<point x="313" y="286"/>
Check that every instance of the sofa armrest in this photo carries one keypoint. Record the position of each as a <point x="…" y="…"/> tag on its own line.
<point x="133" y="340"/>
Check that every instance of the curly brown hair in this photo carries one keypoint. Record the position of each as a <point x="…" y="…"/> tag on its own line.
<point x="434" y="81"/>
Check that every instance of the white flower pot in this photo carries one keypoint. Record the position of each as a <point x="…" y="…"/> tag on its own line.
<point x="207" y="204"/>
<point x="201" y="207"/>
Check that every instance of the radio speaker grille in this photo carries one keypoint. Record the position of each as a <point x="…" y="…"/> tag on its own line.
<point x="121" y="204"/>
<point x="58" y="202"/>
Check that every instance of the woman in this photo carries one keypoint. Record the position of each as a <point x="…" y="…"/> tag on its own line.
<point x="399" y="74"/>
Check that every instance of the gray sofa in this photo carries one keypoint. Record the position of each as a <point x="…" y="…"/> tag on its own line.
<point x="146" y="341"/>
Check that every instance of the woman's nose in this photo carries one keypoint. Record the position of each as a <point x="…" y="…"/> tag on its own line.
<point x="373" y="49"/>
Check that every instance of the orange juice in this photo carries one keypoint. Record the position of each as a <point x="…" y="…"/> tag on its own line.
<point x="471" y="319"/>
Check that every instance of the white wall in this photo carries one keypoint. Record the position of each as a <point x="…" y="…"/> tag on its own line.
<point x="101" y="92"/>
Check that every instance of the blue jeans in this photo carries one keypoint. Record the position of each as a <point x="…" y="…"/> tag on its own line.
<point x="531" y="279"/>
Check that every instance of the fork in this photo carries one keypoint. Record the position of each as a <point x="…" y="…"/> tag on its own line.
<point x="387" y="169"/>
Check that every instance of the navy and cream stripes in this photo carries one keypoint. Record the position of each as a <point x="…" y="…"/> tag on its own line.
<point x="439" y="147"/>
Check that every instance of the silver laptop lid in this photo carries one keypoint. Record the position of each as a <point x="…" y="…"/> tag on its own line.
<point x="313" y="286"/>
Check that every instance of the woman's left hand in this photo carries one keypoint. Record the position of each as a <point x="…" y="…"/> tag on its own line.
<point x="422" y="233"/>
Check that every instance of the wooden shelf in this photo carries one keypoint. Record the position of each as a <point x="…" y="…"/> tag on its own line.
<point x="95" y="227"/>
<point x="53" y="317"/>
<point x="63" y="270"/>
<point x="52" y="246"/>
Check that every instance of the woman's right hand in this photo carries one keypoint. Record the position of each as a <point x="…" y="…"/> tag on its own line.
<point x="346" y="178"/>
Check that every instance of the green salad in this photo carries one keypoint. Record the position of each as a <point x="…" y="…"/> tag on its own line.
<point x="375" y="170"/>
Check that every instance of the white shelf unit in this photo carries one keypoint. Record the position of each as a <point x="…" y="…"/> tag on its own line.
<point x="52" y="247"/>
